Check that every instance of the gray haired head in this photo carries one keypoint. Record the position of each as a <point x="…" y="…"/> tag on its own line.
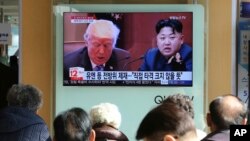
<point x="26" y="96"/>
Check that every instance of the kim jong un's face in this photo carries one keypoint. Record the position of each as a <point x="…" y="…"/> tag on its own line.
<point x="169" y="41"/>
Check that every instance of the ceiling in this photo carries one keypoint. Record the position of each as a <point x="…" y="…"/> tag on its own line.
<point x="9" y="11"/>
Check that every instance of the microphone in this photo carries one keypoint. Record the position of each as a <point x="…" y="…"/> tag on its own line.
<point x="120" y="60"/>
<point x="137" y="59"/>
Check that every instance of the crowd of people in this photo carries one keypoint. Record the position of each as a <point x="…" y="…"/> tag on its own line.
<point x="172" y="120"/>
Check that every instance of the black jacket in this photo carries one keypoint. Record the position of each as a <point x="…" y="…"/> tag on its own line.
<point x="106" y="132"/>
<point x="221" y="135"/>
<point x="8" y="77"/>
<point x="155" y="61"/>
<point x="20" y="124"/>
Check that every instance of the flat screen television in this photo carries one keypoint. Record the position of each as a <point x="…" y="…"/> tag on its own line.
<point x="86" y="93"/>
<point x="137" y="36"/>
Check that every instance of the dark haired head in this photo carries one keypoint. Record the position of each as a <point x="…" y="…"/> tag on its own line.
<point x="227" y="110"/>
<point x="182" y="101"/>
<point x="165" y="119"/>
<point x="72" y="125"/>
<point x="176" y="25"/>
<point x="26" y="96"/>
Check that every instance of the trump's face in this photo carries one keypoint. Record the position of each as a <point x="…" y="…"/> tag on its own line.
<point x="169" y="42"/>
<point x="99" y="49"/>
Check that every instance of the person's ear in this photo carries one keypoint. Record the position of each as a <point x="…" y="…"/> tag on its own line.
<point x="86" y="43"/>
<point x="209" y="120"/>
<point x="182" y="38"/>
<point x="169" y="137"/>
<point x="244" y="121"/>
<point x="92" y="135"/>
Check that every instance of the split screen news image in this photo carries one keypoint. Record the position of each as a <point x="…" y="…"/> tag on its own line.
<point x="128" y="49"/>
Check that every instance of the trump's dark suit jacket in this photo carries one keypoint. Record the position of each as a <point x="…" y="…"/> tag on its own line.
<point x="80" y="58"/>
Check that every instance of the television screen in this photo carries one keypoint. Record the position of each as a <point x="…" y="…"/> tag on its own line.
<point x="127" y="49"/>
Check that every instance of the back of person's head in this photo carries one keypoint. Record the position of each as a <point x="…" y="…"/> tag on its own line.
<point x="26" y="96"/>
<point x="73" y="125"/>
<point x="176" y="25"/>
<point x="227" y="110"/>
<point x="102" y="29"/>
<point x="182" y="101"/>
<point x="167" y="122"/>
<point x="106" y="119"/>
<point x="106" y="113"/>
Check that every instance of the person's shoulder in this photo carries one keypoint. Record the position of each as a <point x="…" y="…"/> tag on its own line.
<point x="186" y="47"/>
<point x="121" y="51"/>
<point x="25" y="115"/>
<point x="75" y="52"/>
<point x="222" y="135"/>
<point x="109" y="132"/>
<point x="153" y="50"/>
<point x="75" y="56"/>
<point x="18" y="118"/>
<point x="186" y="51"/>
<point x="152" y="53"/>
<point x="40" y="132"/>
<point x="119" y="54"/>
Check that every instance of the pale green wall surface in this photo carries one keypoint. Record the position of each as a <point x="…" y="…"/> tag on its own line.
<point x="133" y="101"/>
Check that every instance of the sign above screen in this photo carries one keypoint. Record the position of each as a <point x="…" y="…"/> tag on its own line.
<point x="140" y="56"/>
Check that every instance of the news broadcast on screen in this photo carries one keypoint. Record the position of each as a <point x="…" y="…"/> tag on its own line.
<point x="128" y="49"/>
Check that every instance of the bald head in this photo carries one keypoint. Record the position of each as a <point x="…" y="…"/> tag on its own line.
<point x="231" y="106"/>
<point x="227" y="110"/>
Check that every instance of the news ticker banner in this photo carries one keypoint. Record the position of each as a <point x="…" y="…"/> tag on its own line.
<point x="239" y="132"/>
<point x="81" y="19"/>
<point x="78" y="77"/>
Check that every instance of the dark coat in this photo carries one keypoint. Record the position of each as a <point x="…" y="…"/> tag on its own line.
<point x="8" y="77"/>
<point x="106" y="132"/>
<point x="80" y="58"/>
<point x="20" y="124"/>
<point x="222" y="135"/>
<point x="155" y="61"/>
